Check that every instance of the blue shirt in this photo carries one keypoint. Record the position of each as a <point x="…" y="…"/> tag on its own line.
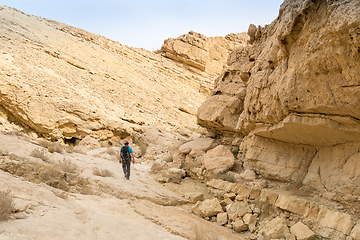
<point x="131" y="151"/>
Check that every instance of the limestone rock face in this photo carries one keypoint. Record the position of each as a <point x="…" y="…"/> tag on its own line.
<point x="207" y="54"/>
<point x="294" y="95"/>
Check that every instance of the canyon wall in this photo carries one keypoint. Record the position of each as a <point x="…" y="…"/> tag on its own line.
<point x="293" y="98"/>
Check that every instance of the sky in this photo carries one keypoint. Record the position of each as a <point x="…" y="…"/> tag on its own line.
<point x="146" y="24"/>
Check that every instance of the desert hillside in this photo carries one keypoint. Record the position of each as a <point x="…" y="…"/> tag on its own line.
<point x="249" y="136"/>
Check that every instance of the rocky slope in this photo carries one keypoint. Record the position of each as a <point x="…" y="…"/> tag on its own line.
<point x="65" y="83"/>
<point x="292" y="98"/>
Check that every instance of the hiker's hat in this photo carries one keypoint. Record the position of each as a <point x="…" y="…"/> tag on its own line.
<point x="126" y="142"/>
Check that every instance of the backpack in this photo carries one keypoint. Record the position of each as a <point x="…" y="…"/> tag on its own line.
<point x="125" y="153"/>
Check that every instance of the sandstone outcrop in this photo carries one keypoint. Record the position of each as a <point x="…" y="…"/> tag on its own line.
<point x="293" y="96"/>
<point x="207" y="54"/>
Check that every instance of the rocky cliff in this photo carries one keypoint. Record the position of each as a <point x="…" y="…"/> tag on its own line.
<point x="198" y="52"/>
<point x="293" y="98"/>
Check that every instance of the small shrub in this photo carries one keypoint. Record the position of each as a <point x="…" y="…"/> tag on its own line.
<point x="6" y="205"/>
<point x="102" y="172"/>
<point x="51" y="149"/>
<point x="67" y="166"/>
<point x="44" y="143"/>
<point x="40" y="153"/>
<point x="112" y="152"/>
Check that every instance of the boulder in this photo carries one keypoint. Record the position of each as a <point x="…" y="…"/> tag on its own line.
<point x="250" y="220"/>
<point x="221" y="218"/>
<point x="248" y="175"/>
<point x="217" y="160"/>
<point x="342" y="222"/>
<point x="239" y="225"/>
<point x="237" y="210"/>
<point x="87" y="144"/>
<point x="355" y="233"/>
<point x="195" y="196"/>
<point x="210" y="207"/>
<point x="302" y="232"/>
<point x="200" y="144"/>
<point x="275" y="229"/>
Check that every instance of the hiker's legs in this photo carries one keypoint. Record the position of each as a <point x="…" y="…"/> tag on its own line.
<point x="124" y="167"/>
<point x="128" y="169"/>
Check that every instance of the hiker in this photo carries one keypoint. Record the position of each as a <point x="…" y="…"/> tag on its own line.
<point x="126" y="154"/>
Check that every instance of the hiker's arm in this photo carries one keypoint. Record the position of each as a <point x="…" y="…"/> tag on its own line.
<point x="120" y="157"/>
<point x="133" y="158"/>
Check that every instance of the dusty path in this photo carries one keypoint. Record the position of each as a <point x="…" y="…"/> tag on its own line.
<point x="45" y="215"/>
<point x="115" y="208"/>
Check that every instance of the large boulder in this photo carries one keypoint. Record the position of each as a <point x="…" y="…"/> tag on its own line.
<point x="219" y="159"/>
<point x="199" y="144"/>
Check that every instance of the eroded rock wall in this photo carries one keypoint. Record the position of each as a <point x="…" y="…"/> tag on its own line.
<point x="202" y="53"/>
<point x="294" y="93"/>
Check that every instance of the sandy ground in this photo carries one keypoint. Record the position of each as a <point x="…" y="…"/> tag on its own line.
<point x="48" y="213"/>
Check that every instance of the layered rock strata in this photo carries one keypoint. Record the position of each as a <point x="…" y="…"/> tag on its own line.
<point x="294" y="95"/>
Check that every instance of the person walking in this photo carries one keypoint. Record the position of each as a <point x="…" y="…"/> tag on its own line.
<point x="126" y="154"/>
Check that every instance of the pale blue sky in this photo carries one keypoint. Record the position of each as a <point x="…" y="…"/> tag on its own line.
<point x="146" y="24"/>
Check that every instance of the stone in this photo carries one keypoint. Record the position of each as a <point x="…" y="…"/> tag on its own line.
<point x="195" y="197"/>
<point x="225" y="202"/>
<point x="239" y="225"/>
<point x="250" y="220"/>
<point x="248" y="175"/>
<point x="221" y="218"/>
<point x="210" y="207"/>
<point x="293" y="204"/>
<point x="230" y="195"/>
<point x="87" y="144"/>
<point x="342" y="222"/>
<point x="275" y="228"/>
<point x="199" y="144"/>
<point x="355" y="233"/>
<point x="237" y="210"/>
<point x="196" y="208"/>
<point x="219" y="159"/>
<point x="302" y="232"/>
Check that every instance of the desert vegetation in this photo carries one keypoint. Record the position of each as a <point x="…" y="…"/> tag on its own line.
<point x="6" y="205"/>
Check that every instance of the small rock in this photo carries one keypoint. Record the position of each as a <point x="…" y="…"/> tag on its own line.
<point x="195" y="197"/>
<point x="275" y="228"/>
<point x="239" y="225"/>
<point x="302" y="232"/>
<point x="222" y="218"/>
<point x="248" y="175"/>
<point x="210" y="207"/>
